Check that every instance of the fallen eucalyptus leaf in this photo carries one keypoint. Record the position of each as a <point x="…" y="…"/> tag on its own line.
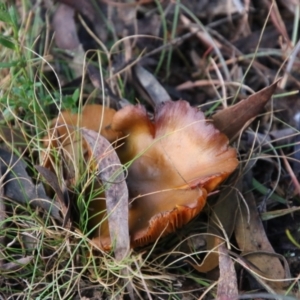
<point x="232" y="119"/>
<point x="18" y="185"/>
<point x="223" y="215"/>
<point x="93" y="11"/>
<point x="53" y="182"/>
<point x="227" y="283"/>
<point x="17" y="265"/>
<point x="251" y="238"/>
<point x="2" y="219"/>
<point x="63" y="24"/>
<point x="12" y="136"/>
<point x="111" y="174"/>
<point x="149" y="87"/>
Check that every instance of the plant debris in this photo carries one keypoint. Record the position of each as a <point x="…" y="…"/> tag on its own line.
<point x="113" y="186"/>
<point x="18" y="185"/>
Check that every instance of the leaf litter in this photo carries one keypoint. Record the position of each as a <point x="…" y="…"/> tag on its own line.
<point x="209" y="55"/>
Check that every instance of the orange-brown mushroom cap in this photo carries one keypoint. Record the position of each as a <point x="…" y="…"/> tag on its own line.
<point x="175" y="161"/>
<point x="64" y="132"/>
<point x="94" y="116"/>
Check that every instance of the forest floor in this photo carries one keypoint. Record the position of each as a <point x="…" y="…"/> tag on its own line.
<point x="70" y="59"/>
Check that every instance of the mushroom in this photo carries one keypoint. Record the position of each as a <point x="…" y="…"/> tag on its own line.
<point x="94" y="117"/>
<point x="174" y="162"/>
<point x="64" y="134"/>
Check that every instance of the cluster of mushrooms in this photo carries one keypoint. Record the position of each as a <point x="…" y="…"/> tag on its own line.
<point x="174" y="161"/>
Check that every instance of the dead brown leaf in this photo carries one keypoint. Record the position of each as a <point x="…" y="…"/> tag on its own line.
<point x="111" y="174"/>
<point x="111" y="99"/>
<point x="291" y="5"/>
<point x="3" y="216"/>
<point x="223" y="215"/>
<point x="278" y="21"/>
<point x="149" y="87"/>
<point x="18" y="185"/>
<point x="18" y="264"/>
<point x="84" y="7"/>
<point x="232" y="119"/>
<point x="65" y="28"/>
<point x="53" y="182"/>
<point x="213" y="8"/>
<point x="13" y="136"/>
<point x="227" y="284"/>
<point x="251" y="238"/>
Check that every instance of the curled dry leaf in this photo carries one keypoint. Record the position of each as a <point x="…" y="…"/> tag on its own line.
<point x="175" y="162"/>
<point x="111" y="175"/>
